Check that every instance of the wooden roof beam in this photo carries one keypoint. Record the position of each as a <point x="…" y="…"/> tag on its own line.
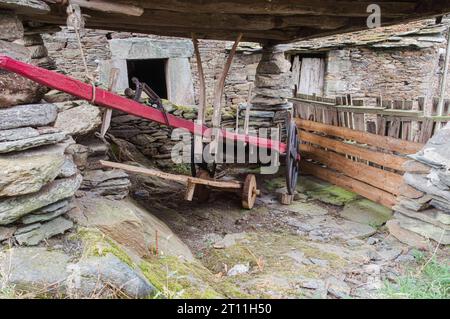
<point x="281" y="7"/>
<point x="223" y="21"/>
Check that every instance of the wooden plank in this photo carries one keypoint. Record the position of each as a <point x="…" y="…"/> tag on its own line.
<point x="385" y="180"/>
<point x="311" y="76"/>
<point x="173" y="177"/>
<point x="426" y="131"/>
<point x="391" y="144"/>
<point x="363" y="189"/>
<point x="383" y="159"/>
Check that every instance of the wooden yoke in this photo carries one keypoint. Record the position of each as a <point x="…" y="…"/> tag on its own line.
<point x="218" y="92"/>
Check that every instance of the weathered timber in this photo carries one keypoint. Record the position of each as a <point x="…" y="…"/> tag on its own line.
<point x="281" y="7"/>
<point x="384" y="142"/>
<point x="218" y="91"/>
<point x="370" y="192"/>
<point x="105" y="6"/>
<point x="277" y="21"/>
<point x="383" y="159"/>
<point x="173" y="177"/>
<point x="385" y="180"/>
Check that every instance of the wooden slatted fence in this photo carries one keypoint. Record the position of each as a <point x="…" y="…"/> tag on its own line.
<point x="362" y="148"/>
<point x="362" y="162"/>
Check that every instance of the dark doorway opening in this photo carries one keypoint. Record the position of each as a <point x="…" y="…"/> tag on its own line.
<point x="152" y="72"/>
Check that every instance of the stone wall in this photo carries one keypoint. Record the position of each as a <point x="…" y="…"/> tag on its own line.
<point x="47" y="150"/>
<point x="38" y="176"/>
<point x="395" y="73"/>
<point x="63" y="48"/>
<point x="398" y="62"/>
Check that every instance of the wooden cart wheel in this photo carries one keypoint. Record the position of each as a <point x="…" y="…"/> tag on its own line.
<point x="292" y="162"/>
<point x="202" y="191"/>
<point x="249" y="192"/>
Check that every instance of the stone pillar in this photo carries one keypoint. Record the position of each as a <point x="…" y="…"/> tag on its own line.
<point x="272" y="88"/>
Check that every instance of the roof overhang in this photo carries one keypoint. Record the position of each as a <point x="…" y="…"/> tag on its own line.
<point x="264" y="21"/>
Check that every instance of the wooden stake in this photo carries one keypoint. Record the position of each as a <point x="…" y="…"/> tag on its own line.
<point x="247" y="110"/>
<point x="106" y="122"/>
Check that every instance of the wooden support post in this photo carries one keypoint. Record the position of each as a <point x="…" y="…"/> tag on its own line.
<point x="106" y="122"/>
<point x="190" y="190"/>
<point x="201" y="81"/>
<point x="440" y="110"/>
<point x="201" y="113"/>
<point x="218" y="92"/>
<point x="286" y="199"/>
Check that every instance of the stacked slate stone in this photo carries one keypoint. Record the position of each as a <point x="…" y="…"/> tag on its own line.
<point x="80" y="120"/>
<point x="113" y="184"/>
<point x="37" y="177"/>
<point x="424" y="206"/>
<point x="150" y="138"/>
<point x="272" y="88"/>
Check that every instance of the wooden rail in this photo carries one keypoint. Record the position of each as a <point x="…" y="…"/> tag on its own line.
<point x="400" y="119"/>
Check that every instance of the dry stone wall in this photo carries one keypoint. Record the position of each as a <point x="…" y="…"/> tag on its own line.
<point x="38" y="176"/>
<point x="42" y="164"/>
<point x="424" y="203"/>
<point x="395" y="74"/>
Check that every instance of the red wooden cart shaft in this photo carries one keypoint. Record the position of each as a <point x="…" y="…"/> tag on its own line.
<point x="110" y="100"/>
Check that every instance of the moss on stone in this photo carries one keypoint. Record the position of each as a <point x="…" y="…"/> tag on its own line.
<point x="333" y="195"/>
<point x="183" y="169"/>
<point x="98" y="244"/>
<point x="366" y="212"/>
<point x="177" y="278"/>
<point x="272" y="271"/>
<point x="275" y="183"/>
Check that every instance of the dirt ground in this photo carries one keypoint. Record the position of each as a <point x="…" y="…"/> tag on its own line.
<point x="303" y="250"/>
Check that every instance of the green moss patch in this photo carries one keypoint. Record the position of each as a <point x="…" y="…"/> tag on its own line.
<point x="366" y="212"/>
<point x="98" y="244"/>
<point x="176" y="278"/>
<point x="274" y="270"/>
<point x="333" y="195"/>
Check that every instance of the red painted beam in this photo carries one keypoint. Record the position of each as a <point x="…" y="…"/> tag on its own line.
<point x="107" y="99"/>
